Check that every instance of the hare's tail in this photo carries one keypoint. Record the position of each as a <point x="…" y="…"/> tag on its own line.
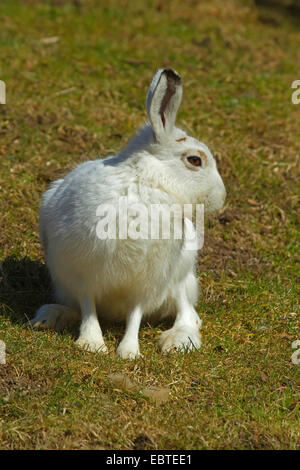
<point x="54" y="316"/>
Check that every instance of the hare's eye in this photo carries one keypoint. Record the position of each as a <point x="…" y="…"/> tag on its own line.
<point x="194" y="160"/>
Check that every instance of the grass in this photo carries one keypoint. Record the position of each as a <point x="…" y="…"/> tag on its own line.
<point x="82" y="95"/>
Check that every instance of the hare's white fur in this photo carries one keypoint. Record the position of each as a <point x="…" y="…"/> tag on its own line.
<point x="127" y="279"/>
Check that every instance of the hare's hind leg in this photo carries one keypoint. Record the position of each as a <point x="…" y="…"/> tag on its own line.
<point x="54" y="316"/>
<point x="90" y="336"/>
<point x="129" y="346"/>
<point x="184" y="336"/>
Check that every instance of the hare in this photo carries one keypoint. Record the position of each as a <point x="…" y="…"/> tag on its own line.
<point x="130" y="278"/>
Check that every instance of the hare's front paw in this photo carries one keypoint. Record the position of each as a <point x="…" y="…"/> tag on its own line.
<point x="91" y="345"/>
<point x="181" y="339"/>
<point x="128" y="350"/>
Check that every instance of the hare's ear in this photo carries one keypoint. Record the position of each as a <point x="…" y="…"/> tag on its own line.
<point x="162" y="102"/>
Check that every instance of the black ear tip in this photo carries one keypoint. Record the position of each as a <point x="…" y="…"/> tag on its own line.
<point x="173" y="76"/>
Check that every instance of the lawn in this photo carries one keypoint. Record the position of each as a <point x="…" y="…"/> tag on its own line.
<point x="76" y="74"/>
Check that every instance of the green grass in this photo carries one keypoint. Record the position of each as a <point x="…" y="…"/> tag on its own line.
<point x="241" y="390"/>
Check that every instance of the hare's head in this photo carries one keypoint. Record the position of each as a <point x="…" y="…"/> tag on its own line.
<point x="188" y="167"/>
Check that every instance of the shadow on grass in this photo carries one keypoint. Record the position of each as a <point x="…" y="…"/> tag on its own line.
<point x="25" y="285"/>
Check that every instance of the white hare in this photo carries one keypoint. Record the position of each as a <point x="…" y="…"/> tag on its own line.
<point x="129" y="279"/>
